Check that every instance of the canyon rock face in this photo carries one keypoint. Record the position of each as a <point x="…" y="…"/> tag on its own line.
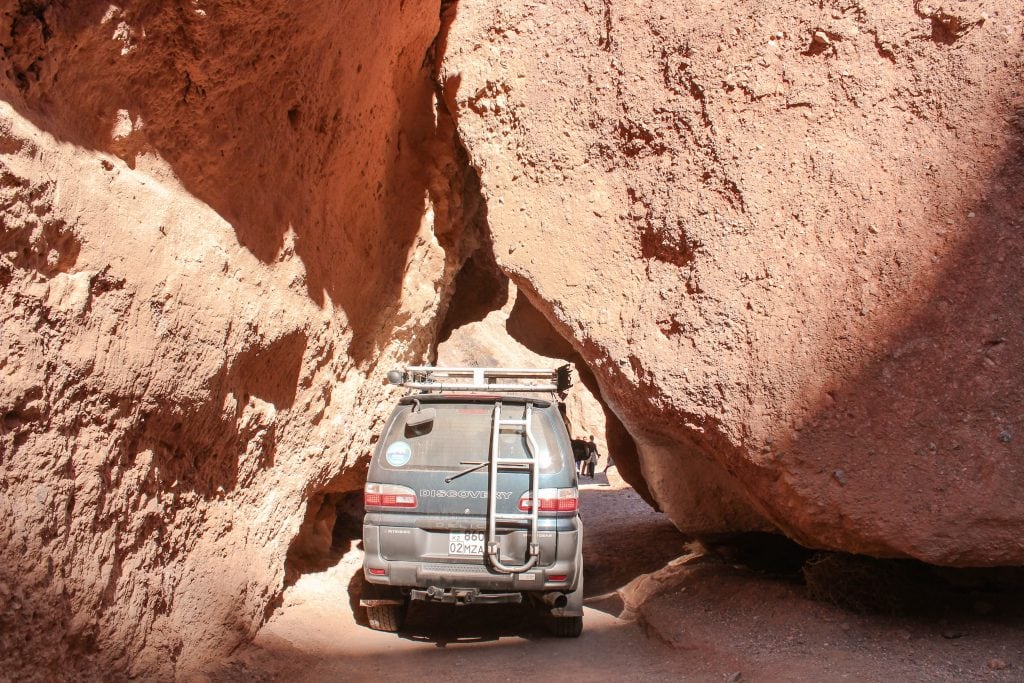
<point x="786" y="238"/>
<point x="218" y="220"/>
<point x="781" y="243"/>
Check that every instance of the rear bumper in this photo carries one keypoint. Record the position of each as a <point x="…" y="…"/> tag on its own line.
<point x="450" y="575"/>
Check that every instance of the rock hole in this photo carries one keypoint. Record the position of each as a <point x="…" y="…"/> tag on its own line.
<point x="11" y="420"/>
<point x="480" y="287"/>
<point x="333" y="524"/>
<point x="491" y="322"/>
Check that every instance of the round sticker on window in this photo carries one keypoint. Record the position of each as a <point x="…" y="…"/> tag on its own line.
<point x="398" y="454"/>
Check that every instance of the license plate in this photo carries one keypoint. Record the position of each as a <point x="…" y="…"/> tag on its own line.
<point x="466" y="543"/>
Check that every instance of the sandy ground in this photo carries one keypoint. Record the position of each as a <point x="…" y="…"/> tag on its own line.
<point x="658" y="608"/>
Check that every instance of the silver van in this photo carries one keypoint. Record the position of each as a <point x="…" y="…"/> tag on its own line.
<point x="471" y="497"/>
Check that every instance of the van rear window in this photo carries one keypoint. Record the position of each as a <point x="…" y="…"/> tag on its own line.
<point x="460" y="435"/>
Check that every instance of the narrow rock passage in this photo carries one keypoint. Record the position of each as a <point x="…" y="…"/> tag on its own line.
<point x="316" y="636"/>
<point x="658" y="608"/>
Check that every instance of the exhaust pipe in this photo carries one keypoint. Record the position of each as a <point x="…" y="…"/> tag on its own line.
<point x="555" y="599"/>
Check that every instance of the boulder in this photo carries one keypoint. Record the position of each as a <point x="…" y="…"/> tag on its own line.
<point x="786" y="240"/>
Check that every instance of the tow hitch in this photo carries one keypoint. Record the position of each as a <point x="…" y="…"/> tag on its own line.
<point x="464" y="596"/>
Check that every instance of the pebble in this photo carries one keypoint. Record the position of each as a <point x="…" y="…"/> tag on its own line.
<point x="997" y="664"/>
<point x="734" y="677"/>
<point x="1005" y="436"/>
<point x="840" y="476"/>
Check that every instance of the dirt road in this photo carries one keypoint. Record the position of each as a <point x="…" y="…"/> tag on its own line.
<point x="315" y="635"/>
<point x="695" y="618"/>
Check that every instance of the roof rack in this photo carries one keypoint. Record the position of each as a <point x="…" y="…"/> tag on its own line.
<point x="427" y="378"/>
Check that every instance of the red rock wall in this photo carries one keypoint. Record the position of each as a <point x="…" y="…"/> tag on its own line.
<point x="217" y="220"/>
<point x="786" y="237"/>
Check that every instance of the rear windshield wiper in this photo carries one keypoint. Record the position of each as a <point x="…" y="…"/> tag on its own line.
<point x="478" y="466"/>
<point x="475" y="466"/>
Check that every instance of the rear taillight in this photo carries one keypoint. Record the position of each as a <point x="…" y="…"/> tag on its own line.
<point x="388" y="496"/>
<point x="552" y="500"/>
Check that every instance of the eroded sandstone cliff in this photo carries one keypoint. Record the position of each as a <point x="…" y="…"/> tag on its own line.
<point x="218" y="220"/>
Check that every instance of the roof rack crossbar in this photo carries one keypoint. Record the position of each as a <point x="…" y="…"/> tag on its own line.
<point x="535" y="373"/>
<point x="449" y="386"/>
<point x="427" y="378"/>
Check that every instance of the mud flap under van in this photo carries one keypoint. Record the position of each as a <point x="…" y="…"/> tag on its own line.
<point x="574" y="602"/>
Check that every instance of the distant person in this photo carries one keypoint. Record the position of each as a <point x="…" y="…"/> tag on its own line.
<point x="579" y="454"/>
<point x="609" y="463"/>
<point x="591" y="457"/>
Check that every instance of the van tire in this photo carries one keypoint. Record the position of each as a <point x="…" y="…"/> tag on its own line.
<point x="387" y="618"/>
<point x="567" y="627"/>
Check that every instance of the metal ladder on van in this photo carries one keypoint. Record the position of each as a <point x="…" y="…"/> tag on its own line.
<point x="497" y="464"/>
